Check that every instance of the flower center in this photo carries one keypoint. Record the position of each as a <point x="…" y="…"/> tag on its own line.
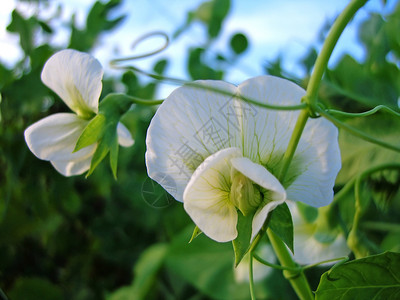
<point x="244" y="195"/>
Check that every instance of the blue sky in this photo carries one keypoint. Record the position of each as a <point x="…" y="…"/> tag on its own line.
<point x="273" y="27"/>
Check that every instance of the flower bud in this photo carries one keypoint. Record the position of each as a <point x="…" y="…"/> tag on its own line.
<point x="244" y="195"/>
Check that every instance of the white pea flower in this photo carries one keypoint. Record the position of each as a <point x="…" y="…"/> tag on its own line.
<point x="76" y="78"/>
<point x="223" y="154"/>
<point x="308" y="249"/>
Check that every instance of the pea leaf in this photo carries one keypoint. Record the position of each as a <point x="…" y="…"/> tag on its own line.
<point x="242" y="243"/>
<point x="374" y="277"/>
<point x="239" y="43"/>
<point x="35" y="288"/>
<point x="282" y="225"/>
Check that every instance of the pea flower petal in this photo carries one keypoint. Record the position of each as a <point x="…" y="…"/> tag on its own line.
<point x="275" y="195"/>
<point x="54" y="137"/>
<point x="76" y="78"/>
<point x="206" y="197"/>
<point x="177" y="139"/>
<point x="307" y="248"/>
<point x="124" y="136"/>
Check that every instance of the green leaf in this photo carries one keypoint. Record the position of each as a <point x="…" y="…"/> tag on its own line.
<point x="195" y="234"/>
<point x="241" y="244"/>
<point x="92" y="133"/>
<point x="25" y="28"/>
<point x="355" y="81"/>
<point x="239" y="43"/>
<point x="374" y="277"/>
<point x="98" y="21"/>
<point x="308" y="212"/>
<point x="220" y="9"/>
<point x="145" y="274"/>
<point x="309" y="59"/>
<point x="160" y="66"/>
<point x="197" y="69"/>
<point x="35" y="289"/>
<point x="282" y="225"/>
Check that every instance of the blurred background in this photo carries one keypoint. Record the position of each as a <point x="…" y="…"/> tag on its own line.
<point x="97" y="238"/>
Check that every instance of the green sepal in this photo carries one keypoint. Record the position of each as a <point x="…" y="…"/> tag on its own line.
<point x="195" y="234"/>
<point x="102" y="129"/>
<point x="114" y="155"/>
<point x="98" y="156"/>
<point x="241" y="244"/>
<point x="282" y="225"/>
<point x="108" y="143"/>
<point x="92" y="132"/>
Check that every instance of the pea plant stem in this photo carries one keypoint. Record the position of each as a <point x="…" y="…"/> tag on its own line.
<point x="322" y="60"/>
<point x="297" y="279"/>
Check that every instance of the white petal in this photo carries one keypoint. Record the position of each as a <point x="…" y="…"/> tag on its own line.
<point x="313" y="171"/>
<point x="77" y="165"/>
<point x="317" y="162"/>
<point x="54" y="138"/>
<point x="265" y="179"/>
<point x="76" y="78"/>
<point x="190" y="125"/>
<point x="266" y="133"/>
<point x="124" y="136"/>
<point x="308" y="250"/>
<point x="206" y="197"/>
<point x="261" y="176"/>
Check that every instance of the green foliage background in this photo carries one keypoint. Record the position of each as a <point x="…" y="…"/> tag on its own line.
<point x="97" y="238"/>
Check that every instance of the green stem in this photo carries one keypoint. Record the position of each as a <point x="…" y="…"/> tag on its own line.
<point x="326" y="51"/>
<point x="275" y="266"/>
<point x="298" y="280"/>
<point x="339" y="195"/>
<point x="141" y="101"/>
<point x="298" y="130"/>
<point x="251" y="278"/>
<point x="342" y="260"/>
<point x="381" y="226"/>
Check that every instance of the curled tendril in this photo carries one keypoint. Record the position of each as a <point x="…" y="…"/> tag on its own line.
<point x="356" y="132"/>
<point x="366" y="113"/>
<point x="141" y="39"/>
